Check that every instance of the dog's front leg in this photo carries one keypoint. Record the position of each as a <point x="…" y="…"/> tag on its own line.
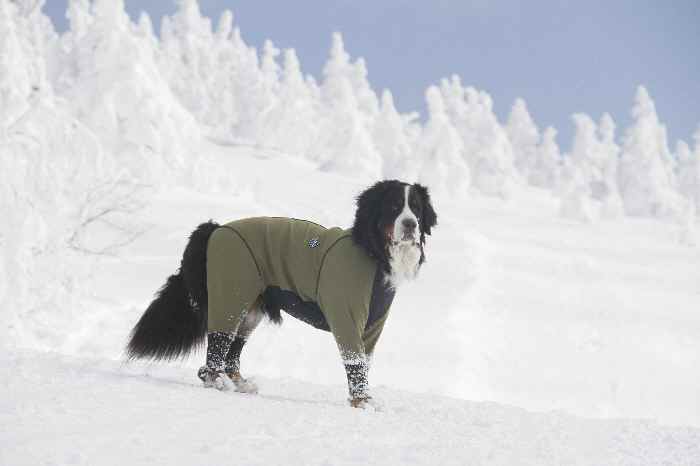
<point x="357" y="369"/>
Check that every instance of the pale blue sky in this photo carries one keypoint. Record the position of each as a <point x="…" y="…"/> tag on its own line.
<point x="560" y="56"/>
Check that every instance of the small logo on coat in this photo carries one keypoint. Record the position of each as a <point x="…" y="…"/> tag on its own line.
<point x="314" y="242"/>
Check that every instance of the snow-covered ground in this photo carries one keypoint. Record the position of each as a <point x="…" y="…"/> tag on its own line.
<point x="515" y="306"/>
<point x="70" y="411"/>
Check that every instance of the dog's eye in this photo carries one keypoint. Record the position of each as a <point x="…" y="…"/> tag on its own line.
<point x="397" y="207"/>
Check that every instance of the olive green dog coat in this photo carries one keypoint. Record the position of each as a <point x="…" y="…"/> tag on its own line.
<point x="316" y="274"/>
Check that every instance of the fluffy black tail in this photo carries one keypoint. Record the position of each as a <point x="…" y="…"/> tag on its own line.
<point x="176" y="321"/>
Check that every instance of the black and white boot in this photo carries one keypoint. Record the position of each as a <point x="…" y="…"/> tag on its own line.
<point x="212" y="374"/>
<point x="233" y="368"/>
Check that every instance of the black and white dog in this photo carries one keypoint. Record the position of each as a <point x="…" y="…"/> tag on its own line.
<point x="391" y="221"/>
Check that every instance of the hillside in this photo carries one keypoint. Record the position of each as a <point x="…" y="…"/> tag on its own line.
<point x="514" y="307"/>
<point x="73" y="411"/>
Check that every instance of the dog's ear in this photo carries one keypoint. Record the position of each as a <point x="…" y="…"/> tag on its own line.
<point x="365" y="230"/>
<point x="429" y="218"/>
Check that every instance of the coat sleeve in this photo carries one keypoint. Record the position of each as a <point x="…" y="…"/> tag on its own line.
<point x="344" y="293"/>
<point x="372" y="334"/>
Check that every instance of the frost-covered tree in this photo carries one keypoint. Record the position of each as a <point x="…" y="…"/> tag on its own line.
<point x="265" y="100"/>
<point x="595" y="155"/>
<point x="57" y="188"/>
<point x="546" y="170"/>
<point x="487" y="149"/>
<point x="392" y="139"/>
<point x="574" y="191"/>
<point x="188" y="59"/>
<point x="585" y="151"/>
<point x="440" y="147"/>
<point x="689" y="170"/>
<point x="612" y="206"/>
<point x="367" y="100"/>
<point x="235" y="86"/>
<point x="346" y="142"/>
<point x="524" y="137"/>
<point x="79" y="17"/>
<point x="118" y="91"/>
<point x="646" y="171"/>
<point x="25" y="37"/>
<point x="291" y="124"/>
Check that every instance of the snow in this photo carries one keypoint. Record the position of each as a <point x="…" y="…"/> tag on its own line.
<point x="555" y="322"/>
<point x="74" y="411"/>
<point x="522" y="307"/>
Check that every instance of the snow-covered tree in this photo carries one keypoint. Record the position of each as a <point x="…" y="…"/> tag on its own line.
<point x="188" y="59"/>
<point x="118" y="91"/>
<point x="689" y="170"/>
<point x="23" y="57"/>
<point x="574" y="191"/>
<point x="612" y="206"/>
<point x="391" y="137"/>
<point x="546" y="170"/>
<point x="487" y="149"/>
<point x="57" y="187"/>
<point x="524" y="137"/>
<point x="595" y="153"/>
<point x="646" y="171"/>
<point x="345" y="143"/>
<point x="291" y="124"/>
<point x="585" y="151"/>
<point x="367" y="100"/>
<point x="440" y="147"/>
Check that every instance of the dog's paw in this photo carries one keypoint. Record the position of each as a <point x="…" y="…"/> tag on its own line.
<point x="242" y="385"/>
<point x="215" y="382"/>
<point x="375" y="404"/>
<point x="367" y="403"/>
<point x="211" y="379"/>
<point x="245" y="386"/>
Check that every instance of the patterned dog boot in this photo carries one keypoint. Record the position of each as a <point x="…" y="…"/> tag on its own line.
<point x="218" y="344"/>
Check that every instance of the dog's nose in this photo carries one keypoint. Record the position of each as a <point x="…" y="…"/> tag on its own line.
<point x="409" y="224"/>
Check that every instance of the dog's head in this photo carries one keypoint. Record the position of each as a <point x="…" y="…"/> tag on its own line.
<point x="393" y="213"/>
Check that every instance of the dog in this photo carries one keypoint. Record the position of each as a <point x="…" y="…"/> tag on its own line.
<point x="341" y="281"/>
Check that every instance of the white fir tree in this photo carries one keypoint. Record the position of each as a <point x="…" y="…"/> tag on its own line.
<point x="265" y="96"/>
<point x="444" y="168"/>
<point x="689" y="170"/>
<point x="524" y="137"/>
<point x="188" y="59"/>
<point x="367" y="100"/>
<point x="547" y="168"/>
<point x="15" y="71"/>
<point x="79" y="18"/>
<point x="646" y="174"/>
<point x="585" y="152"/>
<point x="291" y="125"/>
<point x="391" y="137"/>
<point x="574" y="191"/>
<point x="487" y="149"/>
<point x="612" y="206"/>
<point x="345" y="143"/>
<point x="118" y="90"/>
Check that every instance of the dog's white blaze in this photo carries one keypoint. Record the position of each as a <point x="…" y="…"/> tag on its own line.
<point x="404" y="255"/>
<point x="405" y="214"/>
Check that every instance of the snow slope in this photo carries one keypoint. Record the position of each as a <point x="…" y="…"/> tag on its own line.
<point x="72" y="411"/>
<point x="515" y="306"/>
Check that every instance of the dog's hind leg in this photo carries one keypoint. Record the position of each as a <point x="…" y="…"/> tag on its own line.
<point x="234" y="284"/>
<point x="233" y="357"/>
<point x="224" y="353"/>
<point x="218" y="344"/>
